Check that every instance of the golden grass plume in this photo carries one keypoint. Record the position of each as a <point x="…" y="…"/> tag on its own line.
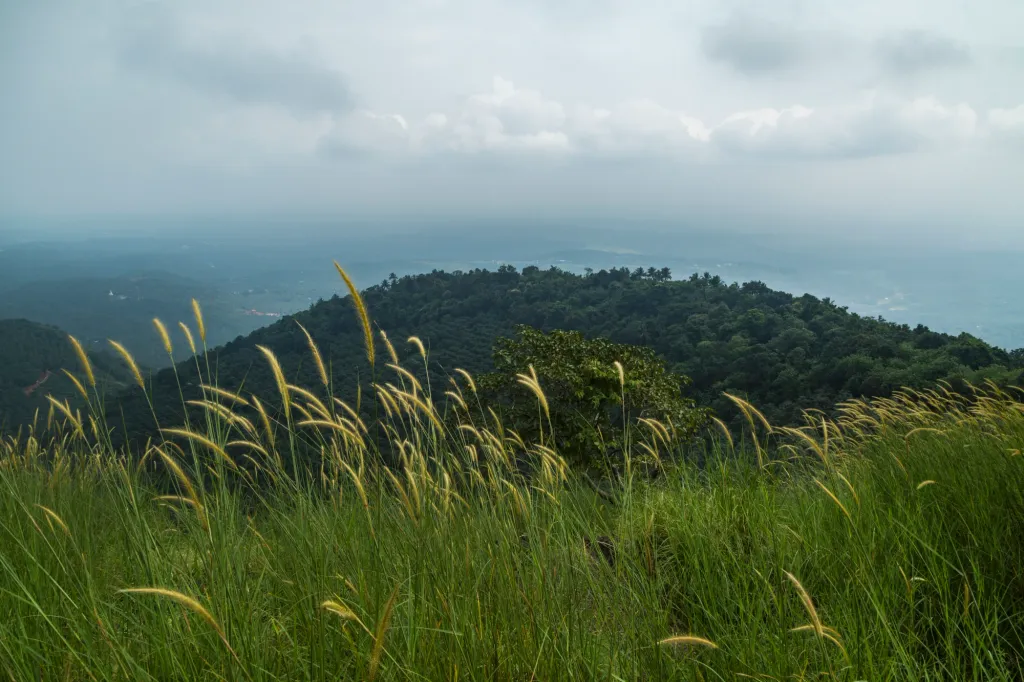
<point x="364" y="317"/>
<point x="83" y="359"/>
<point x="688" y="640"/>
<point x="130" y="361"/>
<point x="197" y="312"/>
<point x="165" y="338"/>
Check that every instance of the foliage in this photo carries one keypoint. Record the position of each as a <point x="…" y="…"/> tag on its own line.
<point x="784" y="353"/>
<point x="585" y="418"/>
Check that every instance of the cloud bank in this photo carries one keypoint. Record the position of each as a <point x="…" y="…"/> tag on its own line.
<point x="898" y="107"/>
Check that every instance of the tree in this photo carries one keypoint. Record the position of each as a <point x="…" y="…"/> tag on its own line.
<point x="587" y="421"/>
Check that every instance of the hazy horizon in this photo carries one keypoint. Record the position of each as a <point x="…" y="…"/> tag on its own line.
<point x="951" y="289"/>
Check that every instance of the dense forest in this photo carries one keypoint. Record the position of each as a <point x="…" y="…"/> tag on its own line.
<point x="784" y="353"/>
<point x="32" y="356"/>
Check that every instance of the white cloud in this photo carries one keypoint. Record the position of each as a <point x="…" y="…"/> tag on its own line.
<point x="1007" y="125"/>
<point x="875" y="127"/>
<point x="506" y="119"/>
<point x="512" y="119"/>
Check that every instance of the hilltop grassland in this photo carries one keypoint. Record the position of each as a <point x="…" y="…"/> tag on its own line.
<point x="266" y="541"/>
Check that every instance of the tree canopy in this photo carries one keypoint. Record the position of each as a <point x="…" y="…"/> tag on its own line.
<point x="593" y="392"/>
<point x="782" y="352"/>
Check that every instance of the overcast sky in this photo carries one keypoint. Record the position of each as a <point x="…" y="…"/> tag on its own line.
<point x="907" y="112"/>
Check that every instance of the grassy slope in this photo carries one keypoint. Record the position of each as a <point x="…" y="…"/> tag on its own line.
<point x="461" y="567"/>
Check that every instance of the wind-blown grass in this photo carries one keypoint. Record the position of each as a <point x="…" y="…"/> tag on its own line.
<point x="886" y="544"/>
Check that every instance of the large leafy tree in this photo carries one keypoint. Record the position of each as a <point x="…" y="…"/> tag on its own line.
<point x="591" y="405"/>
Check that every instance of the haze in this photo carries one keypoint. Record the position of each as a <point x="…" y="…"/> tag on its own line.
<point x="900" y="118"/>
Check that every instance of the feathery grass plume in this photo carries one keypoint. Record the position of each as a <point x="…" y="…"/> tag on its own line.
<point x="248" y="444"/>
<point x="364" y="318"/>
<point x="83" y="359"/>
<point x="176" y="498"/>
<point x="197" y="312"/>
<point x="831" y="634"/>
<point x="808" y="604"/>
<point x="849" y="486"/>
<point x="378" y="637"/>
<point x="531" y="382"/>
<point x="130" y="361"/>
<point x="391" y="349"/>
<point x="66" y="411"/>
<point x="188" y="337"/>
<point x="468" y="377"/>
<point x="317" y="358"/>
<point x="457" y="399"/>
<point x="660" y="430"/>
<point x="415" y="340"/>
<point x="165" y="338"/>
<point x="93" y="424"/>
<point x="78" y="384"/>
<point x="352" y="414"/>
<point x="311" y="398"/>
<point x="282" y="385"/>
<point x="224" y="393"/>
<point x="303" y="412"/>
<point x="622" y="374"/>
<point x="342" y="611"/>
<point x="406" y="374"/>
<point x="390" y="406"/>
<point x="203" y="440"/>
<point x="333" y="425"/>
<point x="834" y="499"/>
<point x="725" y="431"/>
<point x="813" y="444"/>
<point x="264" y="419"/>
<point x="924" y="484"/>
<point x="179" y="474"/>
<point x="52" y="515"/>
<point x="406" y="502"/>
<point x="748" y="411"/>
<point x="426" y="409"/>
<point x="688" y="640"/>
<point x="187" y="602"/>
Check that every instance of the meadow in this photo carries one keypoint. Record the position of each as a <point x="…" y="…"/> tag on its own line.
<point x="268" y="540"/>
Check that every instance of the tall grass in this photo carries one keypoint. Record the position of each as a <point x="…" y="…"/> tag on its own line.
<point x="272" y="544"/>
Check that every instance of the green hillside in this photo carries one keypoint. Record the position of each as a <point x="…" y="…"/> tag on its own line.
<point x="32" y="356"/>
<point x="785" y="353"/>
<point x="121" y="307"/>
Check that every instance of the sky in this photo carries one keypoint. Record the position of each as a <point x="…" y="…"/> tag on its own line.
<point x="887" y="115"/>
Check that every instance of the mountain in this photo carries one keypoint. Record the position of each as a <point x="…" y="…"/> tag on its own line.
<point x="32" y="356"/>
<point x="783" y="352"/>
<point x="122" y="308"/>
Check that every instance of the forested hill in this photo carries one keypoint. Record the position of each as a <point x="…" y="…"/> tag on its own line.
<point x="32" y="356"/>
<point x="785" y="353"/>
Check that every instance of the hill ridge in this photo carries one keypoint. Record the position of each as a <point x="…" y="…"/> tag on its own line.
<point x="784" y="352"/>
